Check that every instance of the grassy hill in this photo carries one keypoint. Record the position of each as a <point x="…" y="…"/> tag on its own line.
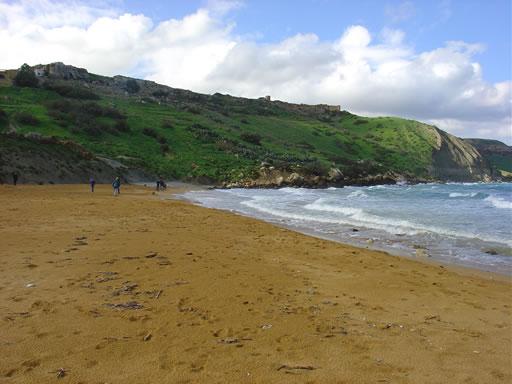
<point x="181" y="134"/>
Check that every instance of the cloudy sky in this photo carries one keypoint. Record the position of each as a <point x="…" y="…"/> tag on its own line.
<point x="444" y="62"/>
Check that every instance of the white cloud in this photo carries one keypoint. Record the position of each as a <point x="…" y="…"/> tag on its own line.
<point x="220" y="8"/>
<point x="201" y="52"/>
<point x="403" y="12"/>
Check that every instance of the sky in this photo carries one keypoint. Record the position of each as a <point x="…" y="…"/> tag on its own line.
<point x="442" y="62"/>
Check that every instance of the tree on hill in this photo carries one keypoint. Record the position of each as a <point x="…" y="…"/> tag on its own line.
<point x="26" y="77"/>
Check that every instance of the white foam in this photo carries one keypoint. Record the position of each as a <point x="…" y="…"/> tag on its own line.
<point x="499" y="202"/>
<point x="357" y="216"/>
<point x="457" y="194"/>
<point x="323" y="206"/>
<point x="358" y="194"/>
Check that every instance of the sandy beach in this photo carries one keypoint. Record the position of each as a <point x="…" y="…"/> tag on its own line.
<point x="136" y="289"/>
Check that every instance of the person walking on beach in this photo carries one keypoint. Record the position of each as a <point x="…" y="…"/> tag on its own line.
<point x="93" y="183"/>
<point x="14" y="178"/>
<point x="158" y="185"/>
<point x="116" y="185"/>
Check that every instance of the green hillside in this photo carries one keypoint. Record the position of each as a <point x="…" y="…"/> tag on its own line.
<point x="497" y="153"/>
<point x="217" y="136"/>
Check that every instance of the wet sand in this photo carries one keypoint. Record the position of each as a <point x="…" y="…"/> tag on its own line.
<point x="133" y="289"/>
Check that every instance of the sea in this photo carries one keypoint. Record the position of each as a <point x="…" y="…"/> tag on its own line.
<point x="464" y="224"/>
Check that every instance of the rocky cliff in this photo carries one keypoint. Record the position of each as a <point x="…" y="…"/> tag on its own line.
<point x="457" y="160"/>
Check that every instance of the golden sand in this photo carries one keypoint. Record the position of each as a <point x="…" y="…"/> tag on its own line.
<point x="136" y="289"/>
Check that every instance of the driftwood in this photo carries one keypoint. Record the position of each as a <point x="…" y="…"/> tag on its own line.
<point x="305" y="367"/>
<point x="324" y="336"/>
<point x="124" y="306"/>
<point x="176" y="283"/>
<point x="231" y="340"/>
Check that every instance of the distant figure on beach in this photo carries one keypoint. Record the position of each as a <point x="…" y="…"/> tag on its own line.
<point x="158" y="185"/>
<point x="93" y="183"/>
<point x="116" y="184"/>
<point x="14" y="178"/>
<point x="163" y="186"/>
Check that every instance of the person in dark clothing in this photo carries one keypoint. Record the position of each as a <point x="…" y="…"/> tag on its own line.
<point x="14" y="178"/>
<point x="116" y="185"/>
<point x="93" y="183"/>
<point x="158" y="185"/>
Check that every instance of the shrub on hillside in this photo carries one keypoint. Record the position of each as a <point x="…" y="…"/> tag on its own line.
<point x="149" y="132"/>
<point x="26" y="118"/>
<point x="359" y="121"/>
<point x="3" y="114"/>
<point x="93" y="109"/>
<point x="59" y="105"/>
<point x="26" y="77"/>
<point x="337" y="159"/>
<point x="316" y="168"/>
<point x="164" y="148"/>
<point x="122" y="126"/>
<point x="113" y="113"/>
<point x="166" y="125"/>
<point x="252" y="138"/>
<point x="224" y="145"/>
<point x="132" y="86"/>
<point x="194" y="110"/>
<point x="93" y="130"/>
<point x="73" y="92"/>
<point x="161" y="140"/>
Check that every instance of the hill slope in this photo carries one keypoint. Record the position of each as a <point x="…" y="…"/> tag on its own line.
<point x="186" y="135"/>
<point x="497" y="153"/>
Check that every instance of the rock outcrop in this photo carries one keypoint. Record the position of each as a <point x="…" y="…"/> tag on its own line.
<point x="458" y="161"/>
<point x="271" y="177"/>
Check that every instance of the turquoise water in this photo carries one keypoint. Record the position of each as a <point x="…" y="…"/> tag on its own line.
<point x="463" y="224"/>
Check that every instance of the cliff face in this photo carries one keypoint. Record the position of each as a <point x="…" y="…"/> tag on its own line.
<point x="457" y="160"/>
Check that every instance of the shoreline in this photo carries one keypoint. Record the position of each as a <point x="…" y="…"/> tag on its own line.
<point x="367" y="237"/>
<point x="459" y="268"/>
<point x="227" y="298"/>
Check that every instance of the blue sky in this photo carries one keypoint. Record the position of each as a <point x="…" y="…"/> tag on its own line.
<point x="427" y="23"/>
<point x="444" y="62"/>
